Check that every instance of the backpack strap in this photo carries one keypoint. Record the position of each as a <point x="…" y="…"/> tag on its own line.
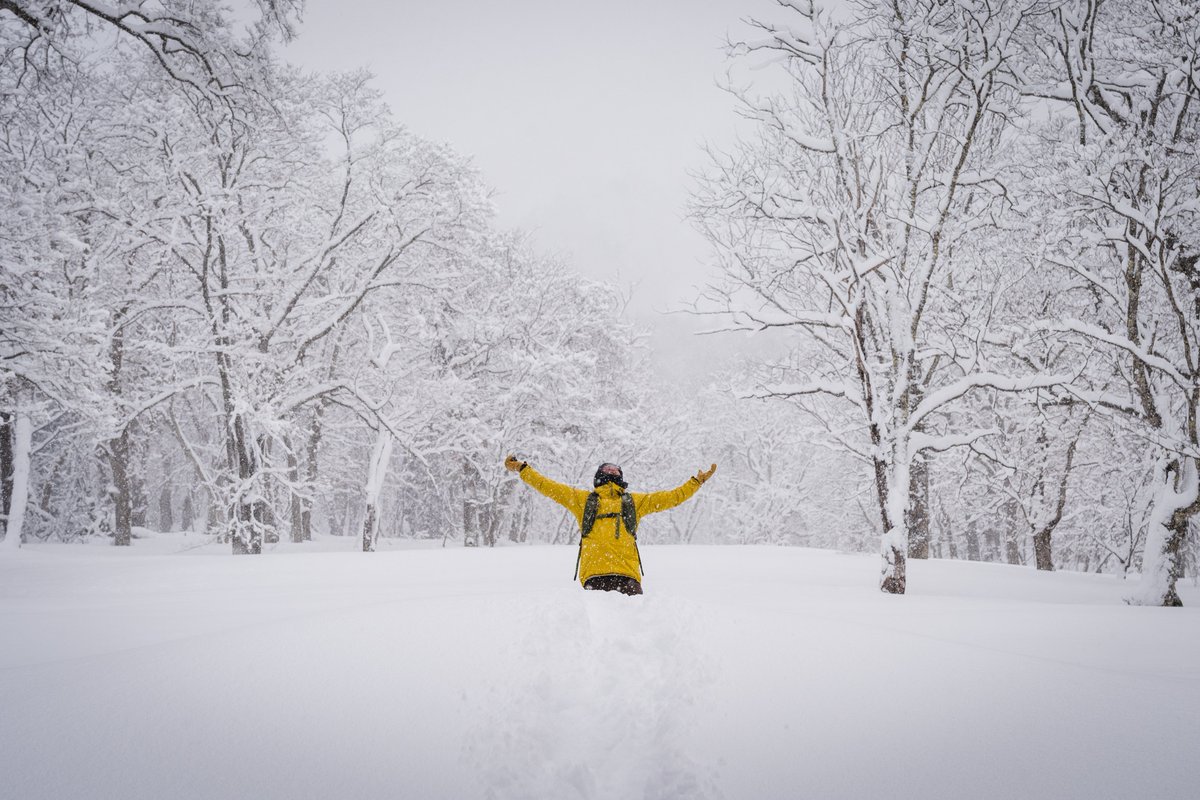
<point x="629" y="517"/>
<point x="589" y="513"/>
<point x="589" y="521"/>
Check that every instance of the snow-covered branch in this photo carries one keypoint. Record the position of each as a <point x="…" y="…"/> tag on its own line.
<point x="1096" y="333"/>
<point x="938" y="399"/>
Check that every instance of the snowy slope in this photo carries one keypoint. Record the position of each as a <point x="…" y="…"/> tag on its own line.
<point x="464" y="673"/>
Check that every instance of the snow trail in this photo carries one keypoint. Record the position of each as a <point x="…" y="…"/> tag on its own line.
<point x="599" y="702"/>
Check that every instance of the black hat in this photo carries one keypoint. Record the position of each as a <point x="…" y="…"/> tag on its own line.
<point x="609" y="473"/>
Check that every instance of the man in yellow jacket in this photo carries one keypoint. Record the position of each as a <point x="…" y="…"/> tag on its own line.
<point x="608" y="518"/>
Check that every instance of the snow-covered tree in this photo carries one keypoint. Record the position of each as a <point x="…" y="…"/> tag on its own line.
<point x="1124" y="200"/>
<point x="52" y="331"/>
<point x="867" y="219"/>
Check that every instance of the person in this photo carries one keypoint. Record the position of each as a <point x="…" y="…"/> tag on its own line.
<point x="608" y="518"/>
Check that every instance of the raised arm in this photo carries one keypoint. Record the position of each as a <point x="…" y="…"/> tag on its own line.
<point x="650" y="502"/>
<point x="568" y="497"/>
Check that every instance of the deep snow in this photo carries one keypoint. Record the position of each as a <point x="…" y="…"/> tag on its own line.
<point x="164" y="672"/>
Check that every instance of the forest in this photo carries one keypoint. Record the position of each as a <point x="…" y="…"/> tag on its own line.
<point x="251" y="302"/>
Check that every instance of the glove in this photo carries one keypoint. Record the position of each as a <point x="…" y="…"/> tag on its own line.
<point x="512" y="464"/>
<point x="704" y="475"/>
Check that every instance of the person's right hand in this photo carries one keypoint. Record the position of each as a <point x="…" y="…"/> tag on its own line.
<point x="704" y="475"/>
<point x="511" y="463"/>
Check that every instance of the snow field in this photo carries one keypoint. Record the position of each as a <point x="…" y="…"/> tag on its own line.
<point x="606" y="694"/>
<point x="485" y="673"/>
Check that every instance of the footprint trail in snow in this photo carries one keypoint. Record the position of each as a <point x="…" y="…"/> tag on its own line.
<point x="598" y="704"/>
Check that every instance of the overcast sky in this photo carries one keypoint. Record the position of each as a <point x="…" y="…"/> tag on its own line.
<point x="585" y="117"/>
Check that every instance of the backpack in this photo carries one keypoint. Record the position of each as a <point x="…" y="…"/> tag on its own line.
<point x="628" y="516"/>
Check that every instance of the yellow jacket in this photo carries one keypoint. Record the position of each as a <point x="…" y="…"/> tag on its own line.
<point x="609" y="549"/>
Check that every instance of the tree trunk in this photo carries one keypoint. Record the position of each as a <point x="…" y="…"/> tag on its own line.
<point x="370" y="528"/>
<point x="469" y="521"/>
<point x="1167" y="529"/>
<point x="46" y="502"/>
<point x="252" y="518"/>
<point x="240" y="537"/>
<point x="1041" y="539"/>
<point x="187" y="514"/>
<point x="381" y="455"/>
<point x="918" y="512"/>
<point x="1173" y="551"/>
<point x="490" y="516"/>
<point x="117" y="451"/>
<point x="1008" y="540"/>
<point x="295" y="502"/>
<point x="166" y="516"/>
<point x="312" y="451"/>
<point x="6" y="460"/>
<point x="22" y="453"/>
<point x="1041" y="550"/>
<point x="137" y="496"/>
<point x="992" y="541"/>
<point x="245" y="529"/>
<point x="499" y="512"/>
<point x="973" y="550"/>
<point x="893" y="504"/>
<point x="895" y="568"/>
<point x="250" y="513"/>
<point x="1012" y="547"/>
<point x="215" y="522"/>
<point x="117" y="448"/>
<point x="518" y="528"/>
<point x="470" y="528"/>
<point x="47" y="499"/>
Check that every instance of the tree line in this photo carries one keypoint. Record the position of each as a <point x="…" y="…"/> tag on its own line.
<point x="245" y="300"/>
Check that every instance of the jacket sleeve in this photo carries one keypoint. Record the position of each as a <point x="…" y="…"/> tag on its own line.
<point x="568" y="497"/>
<point x="651" y="502"/>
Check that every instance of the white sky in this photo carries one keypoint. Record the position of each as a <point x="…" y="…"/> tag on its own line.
<point x="585" y="117"/>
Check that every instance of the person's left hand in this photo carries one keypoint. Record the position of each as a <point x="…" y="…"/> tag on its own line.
<point x="704" y="475"/>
